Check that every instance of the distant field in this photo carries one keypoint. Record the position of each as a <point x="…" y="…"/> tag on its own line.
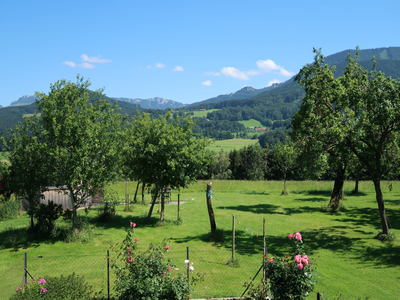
<point x="3" y="155"/>
<point x="251" y="122"/>
<point x="229" y="145"/>
<point x="202" y="113"/>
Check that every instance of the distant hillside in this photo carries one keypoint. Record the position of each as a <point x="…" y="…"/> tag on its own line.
<point x="152" y="103"/>
<point x="244" y="93"/>
<point x="24" y="100"/>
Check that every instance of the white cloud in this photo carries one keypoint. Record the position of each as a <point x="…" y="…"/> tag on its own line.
<point x="98" y="59"/>
<point x="253" y="72"/>
<point x="178" y="69"/>
<point x="207" y="82"/>
<point x="148" y="67"/>
<point x="86" y="66"/>
<point x="230" y="71"/>
<point x="213" y="73"/>
<point x="269" y="66"/>
<point x="69" y="63"/>
<point x="273" y="81"/>
<point x="160" y="65"/>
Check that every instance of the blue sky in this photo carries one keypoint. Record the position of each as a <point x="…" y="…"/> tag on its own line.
<point x="185" y="51"/>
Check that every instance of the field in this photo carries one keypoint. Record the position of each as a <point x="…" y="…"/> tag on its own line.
<point x="228" y="145"/>
<point x="202" y="113"/>
<point x="251" y="122"/>
<point x="349" y="260"/>
<point x="3" y="156"/>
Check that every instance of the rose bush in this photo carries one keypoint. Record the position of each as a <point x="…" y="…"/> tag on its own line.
<point x="147" y="274"/>
<point x="291" y="277"/>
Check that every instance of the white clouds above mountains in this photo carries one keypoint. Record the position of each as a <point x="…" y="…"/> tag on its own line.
<point x="86" y="62"/>
<point x="230" y="71"/>
<point x="273" y="81"/>
<point x="269" y="66"/>
<point x="207" y="82"/>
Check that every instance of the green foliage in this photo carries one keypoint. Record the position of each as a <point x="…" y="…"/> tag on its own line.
<point x="46" y="216"/>
<point x="82" y="232"/>
<point x="148" y="274"/>
<point x="108" y="209"/>
<point x="291" y="276"/>
<point x="63" y="287"/>
<point x="9" y="209"/>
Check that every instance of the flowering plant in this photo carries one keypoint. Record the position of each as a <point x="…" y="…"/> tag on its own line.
<point x="147" y="274"/>
<point x="291" y="277"/>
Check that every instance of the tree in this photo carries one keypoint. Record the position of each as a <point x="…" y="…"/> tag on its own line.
<point x="81" y="138"/>
<point x="164" y="152"/>
<point x="372" y="110"/>
<point x="28" y="163"/>
<point x="285" y="160"/>
<point x="358" y="112"/>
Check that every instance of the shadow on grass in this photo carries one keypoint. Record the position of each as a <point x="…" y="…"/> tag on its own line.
<point x="123" y="221"/>
<point x="256" y="193"/>
<point x="245" y="244"/>
<point x="313" y="199"/>
<point x="257" y="209"/>
<point x="326" y="193"/>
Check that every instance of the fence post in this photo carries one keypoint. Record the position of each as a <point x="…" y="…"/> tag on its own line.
<point x="25" y="280"/>
<point x="264" y="257"/>
<point x="187" y="250"/>
<point x="318" y="296"/>
<point x="108" y="274"/>
<point x="179" y="196"/>
<point x="233" y="238"/>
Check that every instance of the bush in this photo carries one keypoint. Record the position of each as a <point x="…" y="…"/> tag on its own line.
<point x="46" y="216"/>
<point x="108" y="210"/>
<point x="9" y="209"/>
<point x="148" y="275"/>
<point x="70" y="287"/>
<point x="83" y="232"/>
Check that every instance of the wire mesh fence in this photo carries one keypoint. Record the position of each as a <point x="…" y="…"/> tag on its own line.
<point x="223" y="277"/>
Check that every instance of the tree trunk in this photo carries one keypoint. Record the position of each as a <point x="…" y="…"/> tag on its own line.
<point x="162" y="205"/>
<point x="209" y="207"/>
<point x="357" y="181"/>
<point x="381" y="206"/>
<point x="337" y="189"/>
<point x="284" y="184"/>
<point x="143" y="186"/>
<point x="153" y="202"/>
<point x="137" y="188"/>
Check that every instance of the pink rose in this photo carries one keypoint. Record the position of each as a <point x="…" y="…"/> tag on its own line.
<point x="129" y="250"/>
<point x="300" y="266"/>
<point x="271" y="259"/>
<point x="169" y="268"/>
<point x="290" y="236"/>
<point x="166" y="247"/>
<point x="136" y="239"/>
<point x="43" y="290"/>
<point x="297" y="236"/>
<point x="133" y="225"/>
<point x="297" y="258"/>
<point x="305" y="260"/>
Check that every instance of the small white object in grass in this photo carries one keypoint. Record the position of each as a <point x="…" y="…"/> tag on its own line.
<point x="191" y="268"/>
<point x="176" y="269"/>
<point x="186" y="261"/>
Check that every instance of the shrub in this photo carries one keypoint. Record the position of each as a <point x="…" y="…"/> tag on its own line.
<point x="69" y="287"/>
<point x="9" y="209"/>
<point x="46" y="216"/>
<point x="291" y="277"/>
<point x="83" y="232"/>
<point x="148" y="275"/>
<point x="108" y="210"/>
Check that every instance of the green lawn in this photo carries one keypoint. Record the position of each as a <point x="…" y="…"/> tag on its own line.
<point x="198" y="113"/>
<point x="251" y="122"/>
<point x="350" y="261"/>
<point x="231" y="144"/>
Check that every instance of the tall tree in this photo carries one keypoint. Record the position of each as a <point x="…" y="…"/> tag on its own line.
<point x="81" y="133"/>
<point x="28" y="162"/>
<point x="164" y="152"/>
<point x="285" y="160"/>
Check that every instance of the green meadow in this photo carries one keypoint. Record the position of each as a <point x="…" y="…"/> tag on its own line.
<point x="203" y="113"/>
<point x="349" y="260"/>
<point x="251" y="122"/>
<point x="228" y="145"/>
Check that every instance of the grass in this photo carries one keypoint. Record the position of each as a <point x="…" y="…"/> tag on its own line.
<point x="3" y="156"/>
<point x="197" y="113"/>
<point x="231" y="144"/>
<point x="350" y="261"/>
<point x="251" y="122"/>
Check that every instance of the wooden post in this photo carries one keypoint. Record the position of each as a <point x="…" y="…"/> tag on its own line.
<point x="209" y="207"/>
<point x="25" y="280"/>
<point x="108" y="274"/>
<point x="162" y="205"/>
<point x="179" y="196"/>
<point x="264" y="255"/>
<point x="233" y="238"/>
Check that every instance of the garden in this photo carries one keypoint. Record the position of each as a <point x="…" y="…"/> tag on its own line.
<point x="349" y="263"/>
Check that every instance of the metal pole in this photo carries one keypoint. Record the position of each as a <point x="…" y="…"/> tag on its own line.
<point x="233" y="238"/>
<point x="318" y="296"/>
<point x="25" y="268"/>
<point x="179" y="196"/>
<point x="187" y="250"/>
<point x="108" y="274"/>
